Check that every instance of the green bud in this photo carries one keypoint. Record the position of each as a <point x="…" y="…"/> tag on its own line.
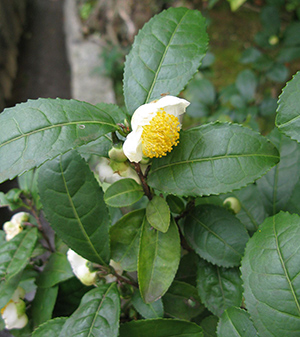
<point x="116" y="153"/>
<point x="233" y="204"/>
<point x="118" y="166"/>
<point x="145" y="161"/>
<point x="273" y="40"/>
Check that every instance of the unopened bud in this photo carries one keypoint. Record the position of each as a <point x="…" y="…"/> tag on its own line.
<point x="273" y="40"/>
<point x="116" y="153"/>
<point x="233" y="204"/>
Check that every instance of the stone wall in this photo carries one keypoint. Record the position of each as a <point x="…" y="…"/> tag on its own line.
<point x="12" y="21"/>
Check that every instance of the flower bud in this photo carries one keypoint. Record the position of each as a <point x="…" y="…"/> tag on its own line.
<point x="233" y="204"/>
<point x="273" y="40"/>
<point x="116" y="153"/>
<point x="11" y="230"/>
<point x="20" y="217"/>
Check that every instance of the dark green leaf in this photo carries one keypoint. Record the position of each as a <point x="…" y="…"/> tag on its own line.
<point x="288" y="114"/>
<point x="216" y="235"/>
<point x="159" y="257"/>
<point x="268" y="106"/>
<point x="165" y="55"/>
<point x="209" y="326"/>
<point x="99" y="147"/>
<point x="270" y="271"/>
<point x="57" y="270"/>
<point x="219" y="288"/>
<point x="51" y="328"/>
<point x="212" y="159"/>
<point x="182" y="301"/>
<point x="43" y="304"/>
<point x="246" y="84"/>
<point x="270" y="19"/>
<point x="236" y="322"/>
<point x="38" y="130"/>
<point x="151" y="310"/>
<point x="277" y="186"/>
<point x="291" y="34"/>
<point x="122" y="193"/>
<point x="278" y="73"/>
<point x="73" y="203"/>
<point x="160" y="328"/>
<point x="125" y="238"/>
<point x="250" y="55"/>
<point x="187" y="270"/>
<point x="158" y="214"/>
<point x="115" y="112"/>
<point x="15" y="254"/>
<point x="288" y="54"/>
<point x="175" y="203"/>
<point x="98" y="314"/>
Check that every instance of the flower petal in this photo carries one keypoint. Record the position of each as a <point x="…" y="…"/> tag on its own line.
<point x="132" y="146"/>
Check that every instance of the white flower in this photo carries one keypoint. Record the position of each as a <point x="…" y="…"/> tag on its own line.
<point x="118" y="269"/>
<point x="13" y="313"/>
<point x="14" y="226"/>
<point x="80" y="268"/>
<point x="155" y="128"/>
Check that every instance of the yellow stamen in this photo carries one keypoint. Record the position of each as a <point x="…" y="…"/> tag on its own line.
<point x="160" y="135"/>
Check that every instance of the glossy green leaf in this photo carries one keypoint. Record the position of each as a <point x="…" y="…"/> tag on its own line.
<point x="15" y="254"/>
<point x="122" y="193"/>
<point x="43" y="304"/>
<point x="38" y="130"/>
<point x="159" y="257"/>
<point x="216" y="235"/>
<point x="219" y="288"/>
<point x="150" y="310"/>
<point x="51" y="328"/>
<point x="288" y="115"/>
<point x="212" y="159"/>
<point x="252" y="212"/>
<point x="209" y="326"/>
<point x="158" y="214"/>
<point x="271" y="275"/>
<point x="277" y="186"/>
<point x="246" y="84"/>
<point x="97" y="315"/>
<point x="182" y="301"/>
<point x="73" y="204"/>
<point x="236" y="322"/>
<point x="56" y="270"/>
<point x="160" y="328"/>
<point x="98" y="147"/>
<point x="125" y="238"/>
<point x="164" y="59"/>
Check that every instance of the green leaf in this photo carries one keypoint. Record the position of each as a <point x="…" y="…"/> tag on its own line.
<point x="182" y="301"/>
<point x="158" y="214"/>
<point x="97" y="315"/>
<point x="236" y="322"/>
<point x="7" y="288"/>
<point x="122" y="193"/>
<point x="98" y="147"/>
<point x="235" y="4"/>
<point x="277" y="186"/>
<point x="219" y="288"/>
<point x="187" y="270"/>
<point x="250" y="55"/>
<point x="212" y="159"/>
<point x="15" y="254"/>
<point x="216" y="235"/>
<point x="252" y="212"/>
<point x="270" y="271"/>
<point x="51" y="328"/>
<point x="38" y="130"/>
<point x="164" y="59"/>
<point x="159" y="257"/>
<point x="160" y="328"/>
<point x="57" y="270"/>
<point x="151" y="310"/>
<point x="115" y="112"/>
<point x="175" y="203"/>
<point x="2" y="324"/>
<point x="246" y="84"/>
<point x="73" y="204"/>
<point x="209" y="326"/>
<point x="125" y="238"/>
<point x="43" y="304"/>
<point x="288" y="114"/>
<point x="278" y="73"/>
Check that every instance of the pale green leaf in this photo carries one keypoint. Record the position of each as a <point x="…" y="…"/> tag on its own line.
<point x="150" y="310"/>
<point x="158" y="214"/>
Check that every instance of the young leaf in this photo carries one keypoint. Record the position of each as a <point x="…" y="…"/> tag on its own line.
<point x="246" y="84"/>
<point x="151" y="310"/>
<point x="125" y="238"/>
<point x="122" y="193"/>
<point x="158" y="214"/>
<point x="73" y="204"/>
<point x="7" y="288"/>
<point x="51" y="328"/>
<point x="164" y="59"/>
<point x="159" y="257"/>
<point x="212" y="159"/>
<point x="15" y="254"/>
<point x="219" y="288"/>
<point x="288" y="116"/>
<point x="160" y="328"/>
<point x="38" y="130"/>
<point x="209" y="326"/>
<point x="97" y="315"/>
<point x="277" y="186"/>
<point x="57" y="270"/>
<point x="236" y="323"/>
<point x="271" y="274"/>
<point x="182" y="301"/>
<point x="216" y="235"/>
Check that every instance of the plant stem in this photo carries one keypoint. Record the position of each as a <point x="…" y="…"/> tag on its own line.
<point x="145" y="186"/>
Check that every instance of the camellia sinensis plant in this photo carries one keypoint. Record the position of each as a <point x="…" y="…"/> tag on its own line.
<point x="159" y="231"/>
